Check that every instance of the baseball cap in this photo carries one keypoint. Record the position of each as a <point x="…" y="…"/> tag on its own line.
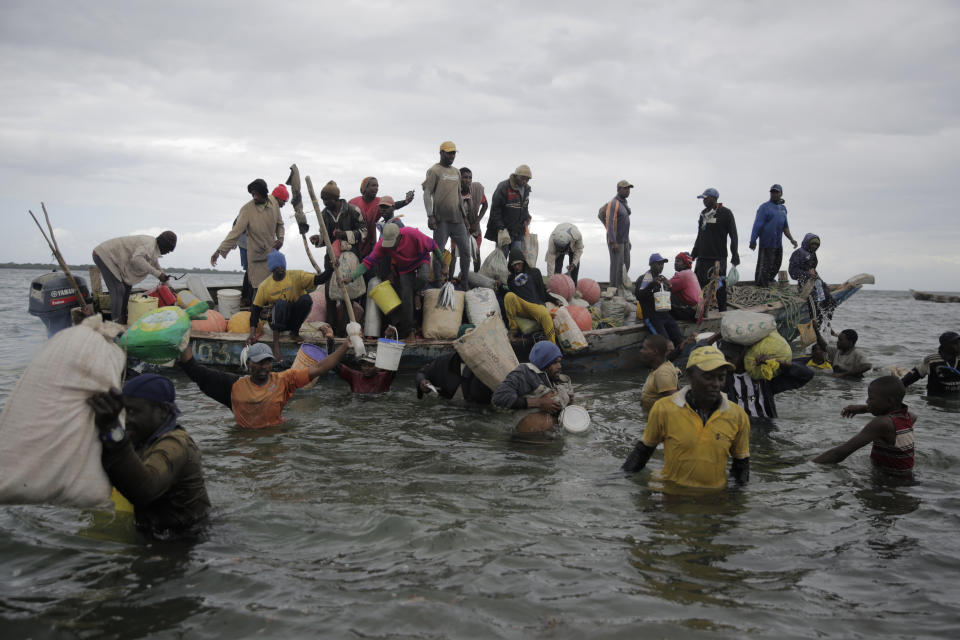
<point x="709" y="192"/>
<point x="387" y="201"/>
<point x="656" y="257"/>
<point x="448" y="146"/>
<point x="391" y="233"/>
<point x="707" y="359"/>
<point x="948" y="337"/>
<point x="624" y="183"/>
<point x="776" y="187"/>
<point x="259" y="352"/>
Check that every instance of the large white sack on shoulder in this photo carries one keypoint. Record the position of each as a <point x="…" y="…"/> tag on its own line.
<point x="481" y="304"/>
<point x="51" y="449"/>
<point x="746" y="327"/>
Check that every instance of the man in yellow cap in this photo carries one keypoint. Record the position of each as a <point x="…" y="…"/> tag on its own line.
<point x="442" y="200"/>
<point x="509" y="208"/>
<point x="700" y="428"/>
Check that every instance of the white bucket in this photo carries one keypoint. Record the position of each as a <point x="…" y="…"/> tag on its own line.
<point x="575" y="419"/>
<point x="388" y="354"/>
<point x="228" y="302"/>
<point x="195" y="284"/>
<point x="661" y="300"/>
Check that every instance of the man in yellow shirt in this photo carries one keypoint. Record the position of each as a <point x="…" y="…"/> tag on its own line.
<point x="699" y="427"/>
<point x="287" y="292"/>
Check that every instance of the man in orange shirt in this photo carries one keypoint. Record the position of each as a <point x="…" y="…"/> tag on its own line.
<point x="257" y="400"/>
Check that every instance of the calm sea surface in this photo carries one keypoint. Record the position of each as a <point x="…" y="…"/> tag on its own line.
<point x="389" y="517"/>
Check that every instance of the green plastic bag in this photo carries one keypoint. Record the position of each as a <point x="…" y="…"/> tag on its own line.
<point x="162" y="334"/>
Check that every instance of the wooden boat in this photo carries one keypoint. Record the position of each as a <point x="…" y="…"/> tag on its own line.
<point x="933" y="297"/>
<point x="609" y="349"/>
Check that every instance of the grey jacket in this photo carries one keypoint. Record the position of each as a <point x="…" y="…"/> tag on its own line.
<point x="525" y="380"/>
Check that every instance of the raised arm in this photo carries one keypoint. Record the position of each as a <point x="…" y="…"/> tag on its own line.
<point x="215" y="384"/>
<point x="880" y="428"/>
<point x="329" y="362"/>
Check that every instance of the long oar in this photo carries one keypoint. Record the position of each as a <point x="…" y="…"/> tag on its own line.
<point x="297" y="201"/>
<point x="334" y="259"/>
<point x="55" y="248"/>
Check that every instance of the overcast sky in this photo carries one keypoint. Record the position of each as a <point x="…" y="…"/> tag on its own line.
<point x="134" y="117"/>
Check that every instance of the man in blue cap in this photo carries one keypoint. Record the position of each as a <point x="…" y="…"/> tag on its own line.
<point x="716" y="223"/>
<point x="152" y="462"/>
<point x="660" y="323"/>
<point x="287" y="292"/>
<point x="768" y="227"/>
<point x="537" y="384"/>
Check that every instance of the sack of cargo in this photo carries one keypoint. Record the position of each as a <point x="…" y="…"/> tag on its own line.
<point x="51" y="448"/>
<point x="475" y="279"/>
<point x="746" y="327"/>
<point x="348" y="263"/>
<point x="481" y="303"/>
<point x="487" y="351"/>
<point x="775" y="348"/>
<point x="569" y="335"/>
<point x="318" y="312"/>
<point x="495" y="266"/>
<point x="160" y="335"/>
<point x="441" y="323"/>
<point x="531" y="249"/>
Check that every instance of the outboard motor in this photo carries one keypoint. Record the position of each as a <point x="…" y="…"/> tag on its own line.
<point x="51" y="298"/>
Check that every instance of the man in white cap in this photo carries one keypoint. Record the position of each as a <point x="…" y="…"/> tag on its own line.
<point x="442" y="200"/>
<point x="565" y="241"/>
<point x="701" y="429"/>
<point x="510" y="208"/>
<point x="616" y="219"/>
<point x="715" y="224"/>
<point x="768" y="227"/>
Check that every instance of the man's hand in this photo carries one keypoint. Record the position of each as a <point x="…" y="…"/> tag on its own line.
<point x="327" y="331"/>
<point x="424" y="386"/>
<point x="303" y="227"/>
<point x="252" y="338"/>
<point x="213" y="258"/>
<point x="615" y="246"/>
<point x="409" y="197"/>
<point x="315" y="240"/>
<point x="735" y="260"/>
<point x="753" y="246"/>
<point x="106" y="408"/>
<point x="794" y="243"/>
<point x="432" y="223"/>
<point x="163" y="277"/>
<point x="187" y="354"/>
<point x="339" y="234"/>
<point x="549" y="403"/>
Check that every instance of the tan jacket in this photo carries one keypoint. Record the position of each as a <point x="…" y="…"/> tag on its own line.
<point x="131" y="258"/>
<point x="263" y="225"/>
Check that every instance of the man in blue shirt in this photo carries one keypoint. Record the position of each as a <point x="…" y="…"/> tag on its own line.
<point x="769" y="225"/>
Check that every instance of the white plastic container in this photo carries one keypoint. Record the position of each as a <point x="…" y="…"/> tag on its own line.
<point x="372" y="323"/>
<point x="388" y="354"/>
<point x="661" y="300"/>
<point x="228" y="302"/>
<point x="575" y="419"/>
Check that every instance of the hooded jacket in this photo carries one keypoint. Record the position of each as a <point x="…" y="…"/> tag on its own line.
<point x="802" y="259"/>
<point x="509" y="209"/>
<point x="530" y="288"/>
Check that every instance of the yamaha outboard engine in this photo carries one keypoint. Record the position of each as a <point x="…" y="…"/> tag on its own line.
<point x="51" y="298"/>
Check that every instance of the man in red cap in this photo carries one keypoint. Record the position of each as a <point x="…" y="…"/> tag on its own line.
<point x="684" y="289"/>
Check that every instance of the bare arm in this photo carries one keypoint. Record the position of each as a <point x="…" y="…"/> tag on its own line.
<point x="880" y="428"/>
<point x="330" y="361"/>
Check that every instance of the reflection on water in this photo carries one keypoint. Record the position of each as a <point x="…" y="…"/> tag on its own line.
<point x="392" y="517"/>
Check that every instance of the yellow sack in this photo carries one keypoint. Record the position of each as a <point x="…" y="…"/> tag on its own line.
<point x="775" y="348"/>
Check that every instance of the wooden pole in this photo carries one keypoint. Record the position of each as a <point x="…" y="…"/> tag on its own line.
<point x="297" y="201"/>
<point x="334" y="260"/>
<point x="52" y="243"/>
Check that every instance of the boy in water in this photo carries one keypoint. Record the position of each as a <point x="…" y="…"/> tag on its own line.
<point x="890" y="431"/>
<point x="847" y="360"/>
<point x="369" y="379"/>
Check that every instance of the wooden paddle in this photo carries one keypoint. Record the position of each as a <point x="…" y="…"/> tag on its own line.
<point x="55" y="248"/>
<point x="297" y="201"/>
<point x="334" y="259"/>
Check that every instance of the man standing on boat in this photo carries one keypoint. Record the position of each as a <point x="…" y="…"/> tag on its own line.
<point x="616" y="219"/>
<point x="369" y="205"/>
<point x="125" y="261"/>
<point x="442" y="200"/>
<point x="715" y="224"/>
<point x="699" y="427"/>
<point x="768" y="227"/>
<point x="565" y="241"/>
<point x="260" y="219"/>
<point x="510" y="208"/>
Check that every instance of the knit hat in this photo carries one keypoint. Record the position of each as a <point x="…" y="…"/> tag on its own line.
<point x="280" y="193"/>
<point x="544" y="353"/>
<point x="523" y="170"/>
<point x="257" y="186"/>
<point x="276" y="260"/>
<point x="363" y="183"/>
<point x="331" y="188"/>
<point x="150" y="386"/>
<point x="167" y="241"/>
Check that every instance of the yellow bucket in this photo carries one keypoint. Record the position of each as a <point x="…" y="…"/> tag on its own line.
<point x="385" y="297"/>
<point x="139" y="306"/>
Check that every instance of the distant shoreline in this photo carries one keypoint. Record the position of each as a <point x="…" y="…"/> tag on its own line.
<point x="82" y="268"/>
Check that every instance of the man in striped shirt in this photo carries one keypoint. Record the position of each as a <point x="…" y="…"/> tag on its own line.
<point x="756" y="396"/>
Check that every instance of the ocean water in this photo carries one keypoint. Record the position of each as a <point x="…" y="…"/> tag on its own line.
<point x="389" y="517"/>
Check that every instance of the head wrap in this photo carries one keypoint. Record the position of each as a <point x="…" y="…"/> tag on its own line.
<point x="259" y="186"/>
<point x="544" y="353"/>
<point x="154" y="388"/>
<point x="363" y="183"/>
<point x="685" y="258"/>
<point x="167" y="241"/>
<point x="331" y="188"/>
<point x="276" y="260"/>
<point x="280" y="193"/>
